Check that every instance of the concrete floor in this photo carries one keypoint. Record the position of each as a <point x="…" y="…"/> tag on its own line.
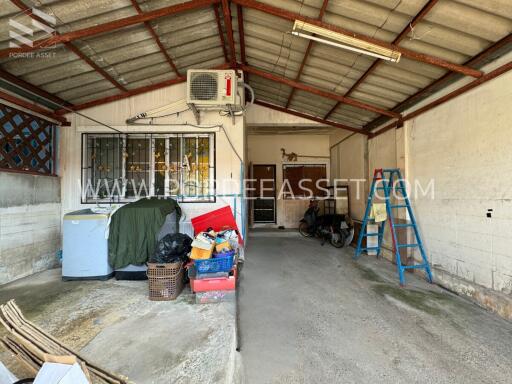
<point x="114" y="324"/>
<point x="309" y="314"/>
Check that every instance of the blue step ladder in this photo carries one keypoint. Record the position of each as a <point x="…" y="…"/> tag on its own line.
<point x="390" y="181"/>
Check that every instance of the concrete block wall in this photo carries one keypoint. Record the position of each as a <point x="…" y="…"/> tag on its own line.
<point x="30" y="224"/>
<point x="463" y="146"/>
<point x="349" y="161"/>
<point x="387" y="151"/>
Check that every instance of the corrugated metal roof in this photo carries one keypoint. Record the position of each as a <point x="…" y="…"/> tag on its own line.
<point x="453" y="30"/>
<point x="130" y="55"/>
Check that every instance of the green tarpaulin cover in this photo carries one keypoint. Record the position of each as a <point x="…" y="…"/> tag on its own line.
<point x="134" y="229"/>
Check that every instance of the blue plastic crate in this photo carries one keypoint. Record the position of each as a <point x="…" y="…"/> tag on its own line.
<point x="222" y="262"/>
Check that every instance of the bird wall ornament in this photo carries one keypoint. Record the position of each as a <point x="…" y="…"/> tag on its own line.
<point x="288" y="156"/>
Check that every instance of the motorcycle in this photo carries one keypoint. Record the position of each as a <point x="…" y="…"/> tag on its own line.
<point x="335" y="228"/>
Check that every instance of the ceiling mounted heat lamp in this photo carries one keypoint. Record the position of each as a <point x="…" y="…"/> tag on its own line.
<point x="335" y="39"/>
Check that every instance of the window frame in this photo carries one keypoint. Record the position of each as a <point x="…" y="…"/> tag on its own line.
<point x="211" y="197"/>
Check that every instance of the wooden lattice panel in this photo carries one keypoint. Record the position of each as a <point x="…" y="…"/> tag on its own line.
<point x="26" y="142"/>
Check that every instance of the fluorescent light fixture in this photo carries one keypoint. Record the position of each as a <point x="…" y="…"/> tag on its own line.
<point x="339" y="40"/>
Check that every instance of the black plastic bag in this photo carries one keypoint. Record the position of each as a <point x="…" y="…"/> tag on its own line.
<point x="172" y="248"/>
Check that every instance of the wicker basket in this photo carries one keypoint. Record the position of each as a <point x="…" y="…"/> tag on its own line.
<point x="165" y="281"/>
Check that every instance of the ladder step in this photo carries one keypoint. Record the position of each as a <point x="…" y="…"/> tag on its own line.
<point x="417" y="266"/>
<point x="395" y="188"/>
<point x="407" y="245"/>
<point x="384" y="180"/>
<point x="370" y="249"/>
<point x="403" y="225"/>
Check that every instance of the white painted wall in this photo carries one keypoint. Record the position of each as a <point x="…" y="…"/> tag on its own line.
<point x="266" y="149"/>
<point x="228" y="169"/>
<point x="350" y="162"/>
<point x="262" y="116"/>
<point x="227" y="163"/>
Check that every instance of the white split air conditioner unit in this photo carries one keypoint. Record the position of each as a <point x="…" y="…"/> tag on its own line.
<point x="211" y="88"/>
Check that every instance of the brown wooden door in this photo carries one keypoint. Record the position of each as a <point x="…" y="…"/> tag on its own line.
<point x="264" y="201"/>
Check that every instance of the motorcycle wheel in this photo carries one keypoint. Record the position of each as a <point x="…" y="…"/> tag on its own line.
<point x="304" y="230"/>
<point x="337" y="240"/>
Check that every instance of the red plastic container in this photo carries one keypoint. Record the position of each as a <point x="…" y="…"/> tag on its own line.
<point x="219" y="219"/>
<point x="215" y="284"/>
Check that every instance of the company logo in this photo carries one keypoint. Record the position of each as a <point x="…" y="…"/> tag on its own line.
<point x="25" y="29"/>
<point x="228" y="79"/>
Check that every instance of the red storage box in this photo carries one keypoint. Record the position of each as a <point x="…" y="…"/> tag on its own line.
<point x="214" y="284"/>
<point x="218" y="220"/>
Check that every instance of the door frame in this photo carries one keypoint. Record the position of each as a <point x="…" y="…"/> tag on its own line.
<point x="275" y="194"/>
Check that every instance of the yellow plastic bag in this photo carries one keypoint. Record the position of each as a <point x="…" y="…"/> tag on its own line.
<point x="378" y="212"/>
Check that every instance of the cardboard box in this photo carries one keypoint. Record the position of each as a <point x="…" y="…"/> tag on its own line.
<point x="214" y="284"/>
<point x="53" y="373"/>
<point x="221" y="247"/>
<point x="203" y="241"/>
<point x="198" y="253"/>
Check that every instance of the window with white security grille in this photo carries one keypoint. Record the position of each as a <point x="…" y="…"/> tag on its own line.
<point x="126" y="167"/>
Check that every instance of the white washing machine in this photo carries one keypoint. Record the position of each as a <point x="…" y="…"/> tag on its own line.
<point x="85" y="247"/>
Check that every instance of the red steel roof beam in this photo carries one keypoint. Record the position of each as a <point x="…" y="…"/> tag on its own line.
<point x="132" y="92"/>
<point x="241" y="36"/>
<point x="221" y="33"/>
<point x="32" y="107"/>
<point x="433" y="87"/>
<point x="31" y="87"/>
<point x="428" y="59"/>
<point x="306" y="54"/>
<point x="319" y="92"/>
<point x="459" y="91"/>
<point x="95" y="66"/>
<point x="309" y="117"/>
<point x="111" y="26"/>
<point x="70" y="46"/>
<point x="151" y="30"/>
<point x="229" y="31"/>
<point x="416" y="19"/>
<point x="241" y="33"/>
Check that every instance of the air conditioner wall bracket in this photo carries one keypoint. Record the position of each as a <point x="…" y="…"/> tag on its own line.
<point x="231" y="112"/>
<point x="195" y="111"/>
